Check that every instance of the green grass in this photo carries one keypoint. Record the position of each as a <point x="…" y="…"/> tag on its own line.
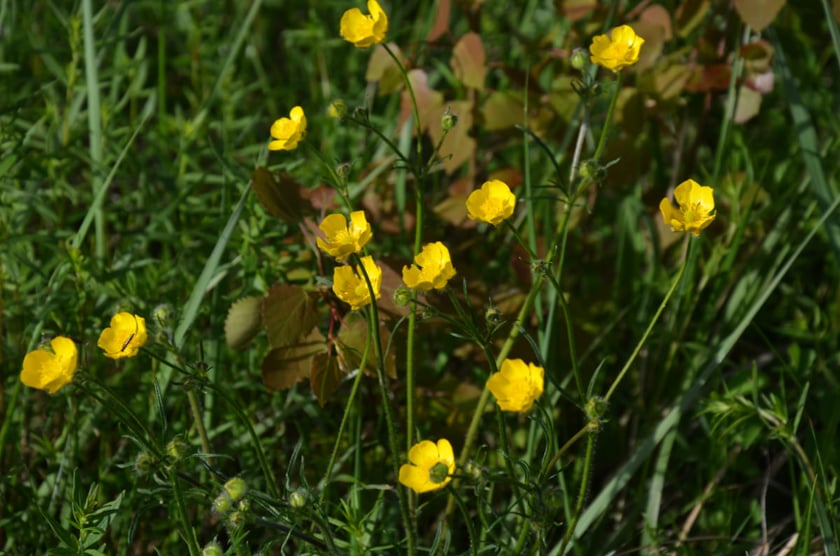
<point x="129" y="135"/>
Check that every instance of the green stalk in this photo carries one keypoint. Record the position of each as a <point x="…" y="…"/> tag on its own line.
<point x="344" y="419"/>
<point x="584" y="487"/>
<point x="199" y="421"/>
<point x="649" y="329"/>
<point x="373" y="326"/>
<point x="189" y="531"/>
<point x="94" y="121"/>
<point x="602" y="140"/>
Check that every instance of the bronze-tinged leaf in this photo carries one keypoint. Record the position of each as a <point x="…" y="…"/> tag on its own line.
<point x="350" y="345"/>
<point x="243" y="321"/>
<point x="574" y="10"/>
<point x="382" y="69"/>
<point x="283" y="367"/>
<point x="441" y="25"/>
<point x="289" y="312"/>
<point x="468" y="61"/>
<point x="458" y="147"/>
<point x="325" y="376"/>
<point x="429" y="101"/>
<point x="749" y="103"/>
<point x="758" y="14"/>
<point x="502" y="110"/>
<point x="280" y="198"/>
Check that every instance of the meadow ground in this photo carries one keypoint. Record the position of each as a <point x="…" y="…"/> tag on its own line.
<point x="560" y="359"/>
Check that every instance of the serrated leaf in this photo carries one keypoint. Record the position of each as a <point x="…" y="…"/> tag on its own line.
<point x="280" y="197"/>
<point x="325" y="376"/>
<point x="285" y="366"/>
<point x="350" y="344"/>
<point x="758" y="14"/>
<point x="468" y="61"/>
<point x="243" y="321"/>
<point x="288" y="312"/>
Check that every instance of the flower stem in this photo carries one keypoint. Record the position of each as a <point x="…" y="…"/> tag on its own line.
<point x="653" y="321"/>
<point x="199" y="422"/>
<point x="602" y="140"/>
<point x="584" y="487"/>
<point x="373" y="330"/>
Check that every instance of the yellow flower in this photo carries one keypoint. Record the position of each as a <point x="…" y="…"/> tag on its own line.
<point x="432" y="268"/>
<point x="51" y="370"/>
<point x="617" y="50"/>
<point x="493" y="203"/>
<point x="287" y="132"/>
<point x="431" y="466"/>
<point x="516" y="386"/>
<point x="364" y="30"/>
<point x="696" y="208"/>
<point x="124" y="338"/>
<point x="342" y="239"/>
<point x="350" y="286"/>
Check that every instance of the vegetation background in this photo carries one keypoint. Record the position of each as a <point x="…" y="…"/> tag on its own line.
<point x="129" y="134"/>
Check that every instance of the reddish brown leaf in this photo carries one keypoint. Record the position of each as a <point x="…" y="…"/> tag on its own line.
<point x="758" y="14"/>
<point x="468" y="61"/>
<point x="288" y="313"/>
<point x="324" y="376"/>
<point x="350" y="345"/>
<point x="243" y="321"/>
<point x="441" y="25"/>
<point x="283" y="367"/>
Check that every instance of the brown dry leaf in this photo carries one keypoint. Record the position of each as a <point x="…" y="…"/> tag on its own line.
<point x="749" y="103"/>
<point x="469" y="61"/>
<point x="283" y="367"/>
<point x="758" y="14"/>
<point x="383" y="70"/>
<point x="441" y="25"/>
<point x="574" y="10"/>
<point x="458" y="147"/>
<point x="429" y="101"/>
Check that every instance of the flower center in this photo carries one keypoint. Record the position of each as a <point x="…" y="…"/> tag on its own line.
<point x="438" y="472"/>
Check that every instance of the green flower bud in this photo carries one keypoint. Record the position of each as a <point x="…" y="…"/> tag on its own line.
<point x="595" y="408"/>
<point x="337" y="109"/>
<point x="578" y="58"/>
<point x="236" y="488"/>
<point x="212" y="549"/>
<point x="144" y="463"/>
<point x="402" y="296"/>
<point x="298" y="498"/>
<point x="177" y="449"/>
<point x="222" y="504"/>
<point x="343" y="170"/>
<point x="448" y="120"/>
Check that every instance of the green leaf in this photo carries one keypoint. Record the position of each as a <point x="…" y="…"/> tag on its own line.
<point x="283" y="367"/>
<point x="325" y="376"/>
<point x="280" y="198"/>
<point x="288" y="312"/>
<point x="243" y="321"/>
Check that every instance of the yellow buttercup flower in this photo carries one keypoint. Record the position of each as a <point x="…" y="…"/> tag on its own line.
<point x="695" y="210"/>
<point x="342" y="239"/>
<point x="616" y="50"/>
<point x="432" y="268"/>
<point x="124" y="338"/>
<point x="364" y="30"/>
<point x="350" y="286"/>
<point x="516" y="386"/>
<point x="431" y="466"/>
<point x="493" y="203"/>
<point x="287" y="132"/>
<point x="51" y="370"/>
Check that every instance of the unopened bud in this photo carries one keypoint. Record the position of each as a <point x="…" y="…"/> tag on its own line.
<point x="578" y="58"/>
<point x="236" y="488"/>
<point x="338" y="109"/>
<point x="402" y="296"/>
<point x="448" y="120"/>
<point x="212" y="549"/>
